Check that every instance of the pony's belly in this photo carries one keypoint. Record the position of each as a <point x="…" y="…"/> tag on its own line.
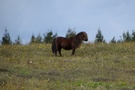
<point x="66" y="45"/>
<point x="67" y="48"/>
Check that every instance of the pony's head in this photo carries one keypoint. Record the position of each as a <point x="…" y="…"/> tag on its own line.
<point x="83" y="36"/>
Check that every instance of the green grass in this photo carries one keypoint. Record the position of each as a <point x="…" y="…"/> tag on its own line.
<point x="94" y="66"/>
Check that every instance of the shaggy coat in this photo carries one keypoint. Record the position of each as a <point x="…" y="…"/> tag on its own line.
<point x="68" y="43"/>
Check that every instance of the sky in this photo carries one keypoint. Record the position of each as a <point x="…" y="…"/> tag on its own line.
<point x="27" y="17"/>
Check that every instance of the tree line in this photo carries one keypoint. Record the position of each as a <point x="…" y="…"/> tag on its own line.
<point x="125" y="38"/>
<point x="49" y="36"/>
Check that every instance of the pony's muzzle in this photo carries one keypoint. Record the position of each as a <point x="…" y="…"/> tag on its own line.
<point x="86" y="39"/>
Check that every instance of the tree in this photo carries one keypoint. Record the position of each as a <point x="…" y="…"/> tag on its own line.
<point x="48" y="37"/>
<point x="120" y="40"/>
<point x="127" y="37"/>
<point x="6" y="39"/>
<point x="133" y="35"/>
<point x="18" y="40"/>
<point x="33" y="39"/>
<point x="70" y="33"/>
<point x="113" y="40"/>
<point x="39" y="39"/>
<point x="99" y="37"/>
<point x="36" y="40"/>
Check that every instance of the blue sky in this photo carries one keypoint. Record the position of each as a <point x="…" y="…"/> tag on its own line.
<point x="27" y="17"/>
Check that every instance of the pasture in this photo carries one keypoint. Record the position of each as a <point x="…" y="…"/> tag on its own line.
<point x="93" y="67"/>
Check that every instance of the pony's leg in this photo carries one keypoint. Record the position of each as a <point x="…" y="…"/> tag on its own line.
<point x="60" y="52"/>
<point x="73" y="51"/>
<point x="55" y="52"/>
<point x="56" y="49"/>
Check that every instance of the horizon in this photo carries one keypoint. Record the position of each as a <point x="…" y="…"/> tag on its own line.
<point x="42" y="35"/>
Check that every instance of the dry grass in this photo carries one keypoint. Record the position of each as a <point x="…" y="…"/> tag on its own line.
<point x="94" y="66"/>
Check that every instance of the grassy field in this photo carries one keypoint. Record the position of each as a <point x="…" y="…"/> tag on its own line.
<point x="94" y="67"/>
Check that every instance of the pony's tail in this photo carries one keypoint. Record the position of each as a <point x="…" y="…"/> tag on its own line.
<point x="54" y="46"/>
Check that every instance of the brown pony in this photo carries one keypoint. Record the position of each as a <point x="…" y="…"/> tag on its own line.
<point x="68" y="43"/>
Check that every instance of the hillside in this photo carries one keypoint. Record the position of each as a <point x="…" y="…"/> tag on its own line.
<point x="94" y="66"/>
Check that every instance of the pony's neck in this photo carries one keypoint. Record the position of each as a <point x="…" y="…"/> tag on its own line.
<point x="78" y="39"/>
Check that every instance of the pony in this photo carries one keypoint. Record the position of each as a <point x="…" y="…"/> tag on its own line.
<point x="68" y="43"/>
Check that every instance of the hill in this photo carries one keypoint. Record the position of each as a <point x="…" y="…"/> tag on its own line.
<point x="94" y="66"/>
